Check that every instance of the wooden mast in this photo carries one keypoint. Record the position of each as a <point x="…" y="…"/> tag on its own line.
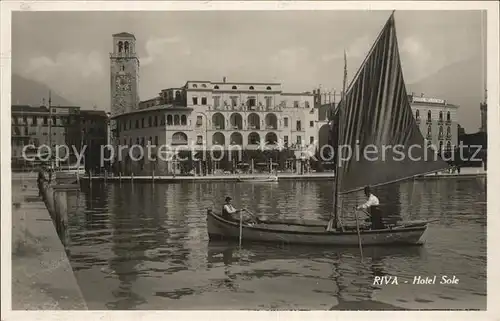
<point x="339" y="131"/>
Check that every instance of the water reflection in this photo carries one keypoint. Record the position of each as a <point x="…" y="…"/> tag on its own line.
<point x="352" y="276"/>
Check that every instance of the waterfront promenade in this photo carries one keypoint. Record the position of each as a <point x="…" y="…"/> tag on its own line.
<point x="42" y="277"/>
<point x="312" y="176"/>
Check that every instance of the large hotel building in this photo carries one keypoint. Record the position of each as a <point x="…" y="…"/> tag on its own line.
<point x="203" y="113"/>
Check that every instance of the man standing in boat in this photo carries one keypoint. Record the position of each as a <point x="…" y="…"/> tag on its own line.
<point x="228" y="212"/>
<point x="371" y="207"/>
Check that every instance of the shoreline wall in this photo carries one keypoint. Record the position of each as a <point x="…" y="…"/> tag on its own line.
<point x="42" y="276"/>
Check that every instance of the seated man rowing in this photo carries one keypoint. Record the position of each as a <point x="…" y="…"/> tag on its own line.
<point x="232" y="214"/>
<point x="371" y="208"/>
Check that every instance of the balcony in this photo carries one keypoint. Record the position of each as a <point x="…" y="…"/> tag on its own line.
<point x="418" y="121"/>
<point x="253" y="127"/>
<point x="428" y="121"/>
<point x="440" y="122"/>
<point x="448" y="122"/>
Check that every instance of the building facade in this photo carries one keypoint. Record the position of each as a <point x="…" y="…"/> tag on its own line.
<point x="204" y="114"/>
<point x="55" y="126"/>
<point x="39" y="126"/>
<point x="437" y="120"/>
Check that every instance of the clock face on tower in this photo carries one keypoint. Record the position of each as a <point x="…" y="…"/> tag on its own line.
<point x="123" y="82"/>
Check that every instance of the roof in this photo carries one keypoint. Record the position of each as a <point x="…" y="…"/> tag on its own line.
<point x="307" y="93"/>
<point x="245" y="83"/>
<point x="102" y="113"/>
<point x="168" y="107"/>
<point x="28" y="109"/>
<point x="124" y="34"/>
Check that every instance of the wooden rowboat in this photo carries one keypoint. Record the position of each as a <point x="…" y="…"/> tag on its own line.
<point x="258" y="179"/>
<point x="408" y="233"/>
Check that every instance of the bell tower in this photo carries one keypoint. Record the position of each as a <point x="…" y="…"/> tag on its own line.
<point x="124" y="74"/>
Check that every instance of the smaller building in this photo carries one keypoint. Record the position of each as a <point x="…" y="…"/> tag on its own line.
<point x="51" y="127"/>
<point x="437" y="120"/>
<point x="94" y="125"/>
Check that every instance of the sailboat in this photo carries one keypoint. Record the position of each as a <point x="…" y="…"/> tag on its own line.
<point x="374" y="111"/>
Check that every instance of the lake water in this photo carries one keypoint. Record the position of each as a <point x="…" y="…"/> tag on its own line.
<point x="144" y="246"/>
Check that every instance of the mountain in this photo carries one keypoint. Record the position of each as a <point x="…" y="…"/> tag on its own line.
<point x="460" y="83"/>
<point x="30" y="92"/>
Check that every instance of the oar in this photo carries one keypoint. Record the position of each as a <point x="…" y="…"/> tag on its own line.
<point x="359" y="234"/>
<point x="241" y="227"/>
<point x="252" y="214"/>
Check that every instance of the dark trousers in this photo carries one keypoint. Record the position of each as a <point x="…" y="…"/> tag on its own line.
<point x="376" y="218"/>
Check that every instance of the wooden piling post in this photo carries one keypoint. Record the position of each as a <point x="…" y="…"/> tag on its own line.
<point x="49" y="199"/>
<point x="61" y="214"/>
<point x="132" y="177"/>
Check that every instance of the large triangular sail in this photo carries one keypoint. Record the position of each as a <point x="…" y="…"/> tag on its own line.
<point x="376" y="125"/>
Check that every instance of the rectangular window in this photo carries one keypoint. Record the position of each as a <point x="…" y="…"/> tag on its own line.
<point x="299" y="140"/>
<point x="285" y="141"/>
<point x="199" y="140"/>
<point x="299" y="125"/>
<point x="234" y="101"/>
<point x="199" y="121"/>
<point x="296" y="104"/>
<point x="45" y="121"/>
<point x="311" y="123"/>
<point x="137" y="123"/>
<point x="156" y="121"/>
<point x="251" y="101"/>
<point x="216" y="101"/>
<point x="142" y="122"/>
<point x="285" y="122"/>
<point x="269" y="101"/>
<point x="162" y="120"/>
<point x="307" y="104"/>
<point x="203" y="101"/>
<point x="311" y="140"/>
<point x="195" y="100"/>
<point x="150" y="123"/>
<point x="34" y="121"/>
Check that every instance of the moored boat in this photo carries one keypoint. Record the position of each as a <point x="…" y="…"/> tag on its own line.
<point x="258" y="179"/>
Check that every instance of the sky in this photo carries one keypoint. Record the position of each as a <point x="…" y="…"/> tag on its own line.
<point x="69" y="51"/>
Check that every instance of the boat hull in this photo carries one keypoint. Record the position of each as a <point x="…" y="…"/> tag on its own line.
<point x="219" y="228"/>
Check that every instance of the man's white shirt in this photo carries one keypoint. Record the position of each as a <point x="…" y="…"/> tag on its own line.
<point x="229" y="208"/>
<point x="372" y="201"/>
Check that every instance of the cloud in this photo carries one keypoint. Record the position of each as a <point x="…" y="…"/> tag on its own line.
<point x="417" y="60"/>
<point x="75" y="65"/>
<point x="158" y="47"/>
<point x="77" y="76"/>
<point x="356" y="49"/>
